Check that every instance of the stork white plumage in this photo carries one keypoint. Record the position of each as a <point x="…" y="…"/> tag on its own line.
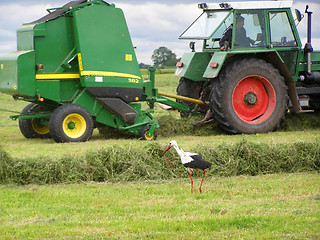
<point x="191" y="161"/>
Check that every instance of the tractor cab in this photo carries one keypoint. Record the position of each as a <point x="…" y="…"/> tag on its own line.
<point x="241" y="25"/>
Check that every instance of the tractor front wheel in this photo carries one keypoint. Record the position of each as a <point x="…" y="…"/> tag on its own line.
<point x="249" y="97"/>
<point x="35" y="127"/>
<point x="71" y="123"/>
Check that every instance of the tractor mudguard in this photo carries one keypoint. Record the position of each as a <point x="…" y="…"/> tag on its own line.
<point x="193" y="65"/>
<point x="215" y="64"/>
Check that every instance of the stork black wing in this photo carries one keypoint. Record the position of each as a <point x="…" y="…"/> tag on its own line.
<point x="198" y="163"/>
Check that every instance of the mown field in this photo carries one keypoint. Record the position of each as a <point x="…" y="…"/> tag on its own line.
<point x="263" y="186"/>
<point x="281" y="206"/>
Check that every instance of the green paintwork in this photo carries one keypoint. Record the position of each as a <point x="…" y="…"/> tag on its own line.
<point x="175" y="105"/>
<point x="64" y="90"/>
<point x="54" y="45"/>
<point x="219" y="58"/>
<point x="25" y="37"/>
<point x="32" y="116"/>
<point x="105" y="47"/>
<point x="194" y="65"/>
<point x="17" y="73"/>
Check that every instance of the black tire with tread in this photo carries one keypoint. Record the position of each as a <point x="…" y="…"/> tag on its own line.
<point x="144" y="131"/>
<point x="25" y="125"/>
<point x="191" y="89"/>
<point x="220" y="101"/>
<point x="62" y="112"/>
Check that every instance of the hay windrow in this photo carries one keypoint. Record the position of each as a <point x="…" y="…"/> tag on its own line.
<point x="117" y="163"/>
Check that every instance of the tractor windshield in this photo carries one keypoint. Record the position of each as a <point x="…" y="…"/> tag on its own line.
<point x="209" y="23"/>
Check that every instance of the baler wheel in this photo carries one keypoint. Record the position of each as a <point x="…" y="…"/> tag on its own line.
<point x="71" y="123"/>
<point x="34" y="128"/>
<point x="144" y="134"/>
<point x="249" y="96"/>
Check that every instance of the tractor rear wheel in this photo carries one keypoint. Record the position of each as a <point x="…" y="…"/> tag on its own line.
<point x="191" y="89"/>
<point x="36" y="127"/>
<point x="71" y="123"/>
<point x="249" y="97"/>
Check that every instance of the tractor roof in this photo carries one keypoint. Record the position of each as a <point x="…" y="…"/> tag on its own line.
<point x="246" y="5"/>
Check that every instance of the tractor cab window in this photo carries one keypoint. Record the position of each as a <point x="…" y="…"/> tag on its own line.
<point x="204" y="26"/>
<point x="214" y="40"/>
<point x="280" y="30"/>
<point x="249" y="29"/>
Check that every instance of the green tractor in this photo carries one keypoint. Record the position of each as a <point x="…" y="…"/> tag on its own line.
<point x="252" y="67"/>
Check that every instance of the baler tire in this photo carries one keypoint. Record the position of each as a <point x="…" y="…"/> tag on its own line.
<point x="144" y="134"/>
<point x="71" y="123"/>
<point x="191" y="89"/>
<point x="32" y="128"/>
<point x="249" y="97"/>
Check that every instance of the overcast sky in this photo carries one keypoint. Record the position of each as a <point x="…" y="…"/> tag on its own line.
<point x="152" y="24"/>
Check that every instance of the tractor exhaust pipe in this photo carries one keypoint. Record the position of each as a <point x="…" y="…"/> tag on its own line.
<point x="311" y="77"/>
<point x="308" y="47"/>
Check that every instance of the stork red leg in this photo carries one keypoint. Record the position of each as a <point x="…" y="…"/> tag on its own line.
<point x="191" y="182"/>
<point x="204" y="173"/>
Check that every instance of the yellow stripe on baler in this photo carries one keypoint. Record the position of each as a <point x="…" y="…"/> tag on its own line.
<point x="85" y="73"/>
<point x="108" y="74"/>
<point x="57" y="76"/>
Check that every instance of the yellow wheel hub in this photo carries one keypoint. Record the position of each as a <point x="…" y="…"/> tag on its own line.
<point x="147" y="137"/>
<point x="38" y="127"/>
<point x="74" y="125"/>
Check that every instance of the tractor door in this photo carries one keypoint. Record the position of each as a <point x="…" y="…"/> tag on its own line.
<point x="282" y="39"/>
<point x="249" y="30"/>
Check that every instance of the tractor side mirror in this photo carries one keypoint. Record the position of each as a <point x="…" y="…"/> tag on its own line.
<point x="192" y="46"/>
<point x="299" y="15"/>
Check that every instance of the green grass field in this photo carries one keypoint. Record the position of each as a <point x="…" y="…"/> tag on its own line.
<point x="282" y="206"/>
<point x="271" y="206"/>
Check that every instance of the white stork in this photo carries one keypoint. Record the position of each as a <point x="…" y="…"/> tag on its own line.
<point x="191" y="161"/>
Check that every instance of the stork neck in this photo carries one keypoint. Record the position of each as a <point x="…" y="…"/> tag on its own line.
<point x="179" y="151"/>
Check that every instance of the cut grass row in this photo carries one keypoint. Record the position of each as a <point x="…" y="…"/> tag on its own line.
<point x="131" y="163"/>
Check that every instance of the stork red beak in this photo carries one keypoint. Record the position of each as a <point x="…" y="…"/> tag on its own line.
<point x="166" y="150"/>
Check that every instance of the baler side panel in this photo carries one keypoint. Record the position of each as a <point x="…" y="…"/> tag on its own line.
<point x="61" y="90"/>
<point x="26" y="74"/>
<point x="105" y="48"/>
<point x="25" y="37"/>
<point x="17" y="73"/>
<point x="8" y="73"/>
<point x="54" y="45"/>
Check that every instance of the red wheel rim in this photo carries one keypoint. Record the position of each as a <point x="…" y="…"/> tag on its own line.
<point x="254" y="99"/>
